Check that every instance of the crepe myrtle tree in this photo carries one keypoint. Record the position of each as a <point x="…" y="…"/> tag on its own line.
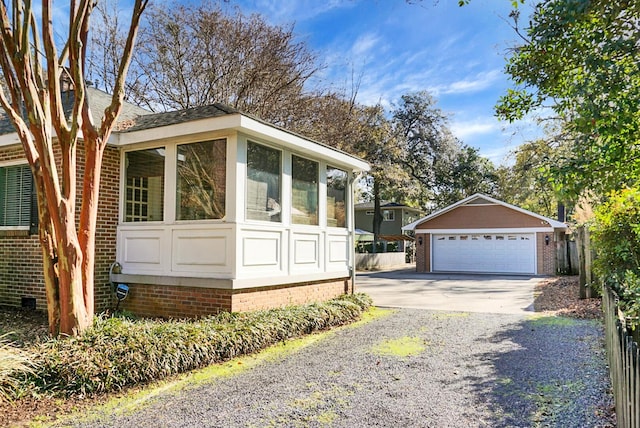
<point x="34" y="63"/>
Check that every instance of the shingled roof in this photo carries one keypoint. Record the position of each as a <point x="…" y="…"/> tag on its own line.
<point x="173" y="117"/>
<point x="98" y="101"/>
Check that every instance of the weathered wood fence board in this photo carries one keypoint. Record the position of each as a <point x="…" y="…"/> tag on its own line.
<point x="623" y="355"/>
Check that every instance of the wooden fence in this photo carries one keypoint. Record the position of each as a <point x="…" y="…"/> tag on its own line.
<point x="624" y="363"/>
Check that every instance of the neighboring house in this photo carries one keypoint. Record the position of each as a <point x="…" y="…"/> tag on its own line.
<point x="484" y="235"/>
<point x="204" y="209"/>
<point x="394" y="217"/>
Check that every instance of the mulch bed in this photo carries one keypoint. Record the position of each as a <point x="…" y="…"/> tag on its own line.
<point x="560" y="296"/>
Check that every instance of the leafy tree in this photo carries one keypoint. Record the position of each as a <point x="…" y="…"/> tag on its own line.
<point x="616" y="240"/>
<point x="445" y="168"/>
<point x="191" y="56"/>
<point x="579" y="59"/>
<point x="526" y="182"/>
<point x="34" y="71"/>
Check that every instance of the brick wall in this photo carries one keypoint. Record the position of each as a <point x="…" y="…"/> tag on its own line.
<point x="20" y="255"/>
<point x="546" y="254"/>
<point x="423" y="253"/>
<point x="179" y="301"/>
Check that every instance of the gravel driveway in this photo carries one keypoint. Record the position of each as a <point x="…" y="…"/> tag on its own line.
<point x="467" y="370"/>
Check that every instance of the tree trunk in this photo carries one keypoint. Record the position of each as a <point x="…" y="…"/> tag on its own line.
<point x="89" y="218"/>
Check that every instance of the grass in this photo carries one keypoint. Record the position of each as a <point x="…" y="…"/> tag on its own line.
<point x="401" y="347"/>
<point x="15" y="365"/>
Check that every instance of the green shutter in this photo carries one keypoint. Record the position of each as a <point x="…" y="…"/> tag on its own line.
<point x="16" y="188"/>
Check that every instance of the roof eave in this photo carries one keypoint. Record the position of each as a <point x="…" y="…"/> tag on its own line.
<point x="249" y="126"/>
<point x="553" y="223"/>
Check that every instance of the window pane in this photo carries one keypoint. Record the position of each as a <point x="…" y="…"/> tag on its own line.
<point x="336" y="197"/>
<point x="145" y="185"/>
<point x="16" y="187"/>
<point x="201" y="180"/>
<point x="263" y="183"/>
<point x="304" y="175"/>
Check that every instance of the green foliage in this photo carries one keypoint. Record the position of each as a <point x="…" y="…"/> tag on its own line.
<point x="629" y="293"/>
<point x="616" y="239"/>
<point x="526" y="182"/>
<point x="119" y="352"/>
<point x="616" y="236"/>
<point x="446" y="169"/>
<point x="15" y="365"/>
<point x="581" y="58"/>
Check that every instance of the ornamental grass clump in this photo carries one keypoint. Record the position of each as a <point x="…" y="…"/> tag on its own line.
<point x="15" y="366"/>
<point x="119" y="352"/>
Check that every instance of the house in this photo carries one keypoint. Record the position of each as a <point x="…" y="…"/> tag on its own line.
<point x="395" y="247"/>
<point x="201" y="210"/>
<point x="481" y="234"/>
<point x="394" y="217"/>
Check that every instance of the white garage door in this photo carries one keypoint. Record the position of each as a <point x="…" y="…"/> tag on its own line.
<point x="499" y="253"/>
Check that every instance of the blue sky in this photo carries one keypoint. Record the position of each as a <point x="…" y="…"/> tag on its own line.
<point x="458" y="54"/>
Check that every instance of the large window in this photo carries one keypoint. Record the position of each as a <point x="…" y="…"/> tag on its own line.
<point x="144" y="195"/>
<point x="304" y="195"/>
<point x="201" y="180"/>
<point x="16" y="191"/>
<point x="263" y="183"/>
<point x="336" y="197"/>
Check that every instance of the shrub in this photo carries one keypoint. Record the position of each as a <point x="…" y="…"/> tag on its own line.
<point x="616" y="236"/>
<point x="119" y="352"/>
<point x="616" y="240"/>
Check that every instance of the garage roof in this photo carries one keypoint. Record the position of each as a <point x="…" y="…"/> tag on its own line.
<point x="479" y="199"/>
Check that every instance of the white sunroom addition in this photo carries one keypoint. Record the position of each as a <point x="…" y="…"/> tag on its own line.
<point x="228" y="201"/>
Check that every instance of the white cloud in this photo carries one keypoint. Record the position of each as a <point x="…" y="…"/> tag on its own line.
<point x="364" y="44"/>
<point x="477" y="83"/>
<point x="467" y="129"/>
<point x="298" y="10"/>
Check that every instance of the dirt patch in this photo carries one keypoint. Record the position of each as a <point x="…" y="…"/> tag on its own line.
<point x="23" y="327"/>
<point x="561" y="296"/>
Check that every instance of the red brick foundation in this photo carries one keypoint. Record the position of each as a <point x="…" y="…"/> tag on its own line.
<point x="180" y="301"/>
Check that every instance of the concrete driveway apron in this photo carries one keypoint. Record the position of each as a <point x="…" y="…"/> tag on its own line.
<point x="404" y="288"/>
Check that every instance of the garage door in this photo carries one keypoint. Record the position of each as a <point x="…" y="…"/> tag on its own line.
<point x="496" y="253"/>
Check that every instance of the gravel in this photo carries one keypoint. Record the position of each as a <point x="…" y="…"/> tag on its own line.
<point x="475" y="370"/>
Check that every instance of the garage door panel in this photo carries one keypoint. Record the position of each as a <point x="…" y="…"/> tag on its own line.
<point x="495" y="253"/>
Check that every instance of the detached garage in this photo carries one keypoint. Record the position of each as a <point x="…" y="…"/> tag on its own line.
<point x="481" y="234"/>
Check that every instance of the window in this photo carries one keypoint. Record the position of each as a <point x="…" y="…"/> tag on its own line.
<point x="144" y="196"/>
<point x="17" y="196"/>
<point x="388" y="215"/>
<point x="201" y="174"/>
<point x="336" y="197"/>
<point x="263" y="183"/>
<point x="370" y="212"/>
<point x="304" y="192"/>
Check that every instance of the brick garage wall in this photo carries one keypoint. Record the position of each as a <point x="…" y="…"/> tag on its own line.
<point x="21" y="272"/>
<point x="179" y="301"/>
<point x="546" y="254"/>
<point x="423" y="253"/>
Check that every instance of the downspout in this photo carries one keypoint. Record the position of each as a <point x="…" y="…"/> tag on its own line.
<point x="352" y="226"/>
